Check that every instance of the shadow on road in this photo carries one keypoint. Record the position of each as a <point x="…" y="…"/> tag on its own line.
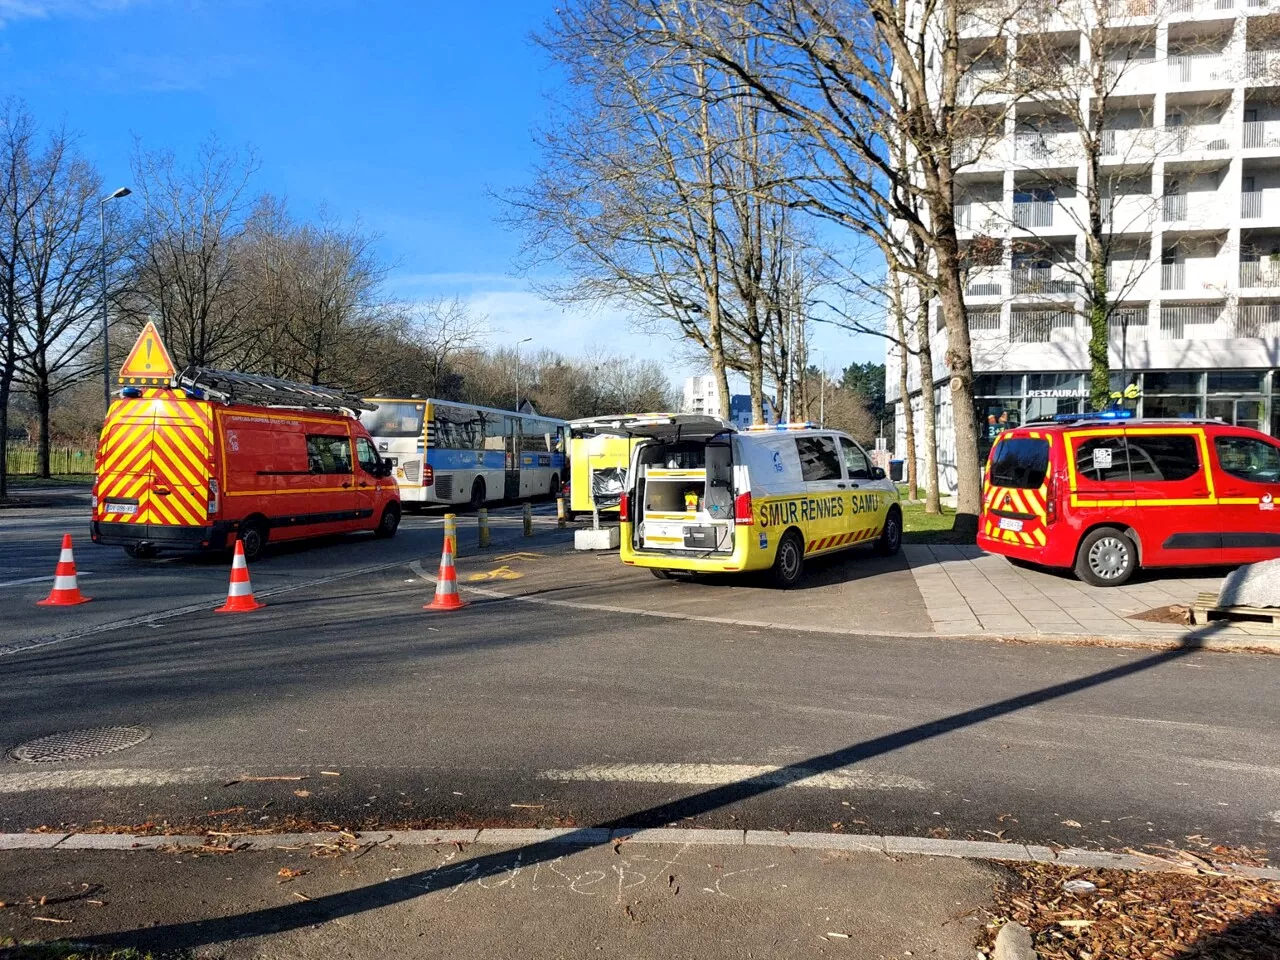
<point x="274" y="920"/>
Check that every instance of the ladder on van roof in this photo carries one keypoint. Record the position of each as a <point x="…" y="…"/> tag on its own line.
<point x="259" y="390"/>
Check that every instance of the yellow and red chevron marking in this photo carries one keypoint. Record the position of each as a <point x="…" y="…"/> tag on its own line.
<point x="827" y="543"/>
<point x="160" y="441"/>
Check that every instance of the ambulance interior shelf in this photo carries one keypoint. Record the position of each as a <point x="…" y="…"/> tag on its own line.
<point x="688" y="498"/>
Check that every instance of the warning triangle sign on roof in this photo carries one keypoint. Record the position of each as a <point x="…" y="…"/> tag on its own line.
<point x="148" y="363"/>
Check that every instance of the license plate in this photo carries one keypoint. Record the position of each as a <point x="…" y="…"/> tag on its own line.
<point x="128" y="508"/>
<point x="1007" y="524"/>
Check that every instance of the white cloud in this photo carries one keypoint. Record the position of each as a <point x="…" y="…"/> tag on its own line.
<point x="11" y="10"/>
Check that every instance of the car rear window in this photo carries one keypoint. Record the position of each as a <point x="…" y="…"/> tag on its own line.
<point x="1020" y="462"/>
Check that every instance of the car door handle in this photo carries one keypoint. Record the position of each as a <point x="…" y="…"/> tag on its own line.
<point x="854" y="486"/>
<point x="840" y="485"/>
<point x="346" y="486"/>
<point x="163" y="491"/>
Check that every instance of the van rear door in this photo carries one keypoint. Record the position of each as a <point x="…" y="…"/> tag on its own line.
<point x="1017" y="492"/>
<point x="123" y="465"/>
<point x="180" y="461"/>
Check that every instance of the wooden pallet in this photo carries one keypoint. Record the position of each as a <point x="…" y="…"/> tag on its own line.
<point x="1206" y="610"/>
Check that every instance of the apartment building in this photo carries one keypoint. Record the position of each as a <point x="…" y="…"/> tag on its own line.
<point x="702" y="396"/>
<point x="1190" y="195"/>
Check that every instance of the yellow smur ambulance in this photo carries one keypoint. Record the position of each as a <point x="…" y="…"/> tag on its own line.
<point x="597" y="466"/>
<point x="703" y="497"/>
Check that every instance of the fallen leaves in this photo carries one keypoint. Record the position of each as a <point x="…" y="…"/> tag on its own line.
<point x="290" y="873"/>
<point x="302" y="793"/>
<point x="1132" y="914"/>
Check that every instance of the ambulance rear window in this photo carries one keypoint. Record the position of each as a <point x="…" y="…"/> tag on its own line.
<point x="1020" y="462"/>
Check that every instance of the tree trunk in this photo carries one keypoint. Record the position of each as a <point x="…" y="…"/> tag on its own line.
<point x="756" y="377"/>
<point x="42" y="410"/>
<point x="960" y="362"/>
<point x="929" y="409"/>
<point x="7" y="368"/>
<point x="1099" y="339"/>
<point x="913" y="486"/>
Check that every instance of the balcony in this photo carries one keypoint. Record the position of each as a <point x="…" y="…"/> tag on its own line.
<point x="985" y="282"/>
<point x="982" y="83"/>
<point x="1046" y="149"/>
<point x="1261" y="133"/>
<point x="1209" y="137"/>
<point x="1033" y="213"/>
<point x="1041" y="326"/>
<point x="1183" y="8"/>
<point x="1194" y="276"/>
<point x="1128" y="77"/>
<point x="980" y="151"/>
<point x="1043" y="281"/>
<point x="1127" y="145"/>
<point x="1120" y="9"/>
<point x="1262" y="64"/>
<point x="1200" y="70"/>
<point x="1260" y="273"/>
<point x="1128" y="213"/>
<point x="1203" y="321"/>
<point x="1200" y="208"/>
<point x="1258" y="320"/>
<point x="980" y="216"/>
<point x="1130" y="280"/>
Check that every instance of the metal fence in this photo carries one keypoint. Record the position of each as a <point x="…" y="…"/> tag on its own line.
<point x="24" y="460"/>
<point x="1037" y="326"/>
<point x="1175" y="319"/>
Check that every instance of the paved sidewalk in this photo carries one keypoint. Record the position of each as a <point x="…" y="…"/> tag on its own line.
<point x="467" y="901"/>
<point x="968" y="591"/>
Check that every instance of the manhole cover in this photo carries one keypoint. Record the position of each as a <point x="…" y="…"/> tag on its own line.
<point x="78" y="744"/>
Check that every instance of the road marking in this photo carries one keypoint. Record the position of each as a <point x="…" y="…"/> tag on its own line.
<point x="498" y="573"/>
<point x="719" y="774"/>
<point x="26" y="782"/>
<point x="16" y="583"/>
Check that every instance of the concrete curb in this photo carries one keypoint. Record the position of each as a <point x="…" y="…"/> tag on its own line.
<point x="597" y="836"/>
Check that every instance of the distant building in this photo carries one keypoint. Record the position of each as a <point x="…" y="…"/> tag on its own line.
<point x="701" y="396"/>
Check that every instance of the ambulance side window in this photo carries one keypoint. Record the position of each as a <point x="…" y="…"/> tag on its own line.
<point x="856" y="464"/>
<point x="818" y="458"/>
<point x="367" y="456"/>
<point x="1102" y="460"/>
<point x="328" y="453"/>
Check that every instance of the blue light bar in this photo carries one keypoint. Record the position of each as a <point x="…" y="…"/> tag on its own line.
<point x="1101" y="415"/>
<point x="131" y="393"/>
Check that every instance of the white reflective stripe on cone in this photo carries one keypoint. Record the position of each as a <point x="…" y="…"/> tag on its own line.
<point x="240" y="589"/>
<point x="64" y="583"/>
<point x="66" y="556"/>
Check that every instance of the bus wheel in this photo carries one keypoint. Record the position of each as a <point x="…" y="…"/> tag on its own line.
<point x="555" y="485"/>
<point x="389" y="523"/>
<point x="253" y="537"/>
<point x="477" y="494"/>
<point x="788" y="565"/>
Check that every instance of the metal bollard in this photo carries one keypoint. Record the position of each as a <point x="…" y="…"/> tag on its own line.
<point x="528" y="519"/>
<point x="482" y="517"/>
<point x="451" y="530"/>
<point x="561" y="517"/>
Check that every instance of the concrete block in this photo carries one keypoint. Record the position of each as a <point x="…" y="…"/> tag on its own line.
<point x="816" y="841"/>
<point x="1013" y="942"/>
<point x="1253" y="585"/>
<point x="672" y="835"/>
<point x="570" y="836"/>
<point x="30" y="841"/>
<point x="606" y="538"/>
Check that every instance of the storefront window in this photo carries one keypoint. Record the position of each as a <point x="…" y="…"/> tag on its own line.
<point x="1166" y="384"/>
<point x="1049" y="394"/>
<point x="1235" y="381"/>
<point x="1171" y="407"/>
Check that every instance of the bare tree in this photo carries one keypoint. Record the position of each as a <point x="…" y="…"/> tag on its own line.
<point x="60" y="261"/>
<point x="187" y="275"/>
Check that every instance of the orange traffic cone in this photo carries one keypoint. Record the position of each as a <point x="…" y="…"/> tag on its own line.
<point x="65" y="592"/>
<point x="446" y="597"/>
<point x="239" y="591"/>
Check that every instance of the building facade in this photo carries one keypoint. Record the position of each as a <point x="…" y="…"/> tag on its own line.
<point x="1190" y="195"/>
<point x="701" y="396"/>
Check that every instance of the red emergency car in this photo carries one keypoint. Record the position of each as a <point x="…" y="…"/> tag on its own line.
<point x="1104" y="495"/>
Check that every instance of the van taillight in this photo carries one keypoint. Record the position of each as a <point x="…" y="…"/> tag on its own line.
<point x="428" y="475"/>
<point x="1050" y="500"/>
<point x="743" y="515"/>
<point x="624" y="508"/>
<point x="213" y="496"/>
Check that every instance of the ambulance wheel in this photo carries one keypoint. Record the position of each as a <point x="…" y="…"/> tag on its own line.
<point x="138" y="551"/>
<point x="788" y="565"/>
<point x="660" y="574"/>
<point x="389" y="523"/>
<point x="890" y="541"/>
<point x="477" y="494"/>
<point x="1107" y="558"/>
<point x="253" y="537"/>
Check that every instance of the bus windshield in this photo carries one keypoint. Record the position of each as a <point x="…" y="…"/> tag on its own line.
<point x="394" y="420"/>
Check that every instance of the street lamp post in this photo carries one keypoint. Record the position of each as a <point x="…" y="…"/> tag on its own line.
<point x="518" y="342"/>
<point x="102" y="259"/>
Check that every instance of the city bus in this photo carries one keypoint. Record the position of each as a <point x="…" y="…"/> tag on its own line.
<point x="444" y="452"/>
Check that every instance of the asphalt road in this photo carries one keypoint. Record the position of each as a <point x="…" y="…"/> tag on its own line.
<point x="513" y="713"/>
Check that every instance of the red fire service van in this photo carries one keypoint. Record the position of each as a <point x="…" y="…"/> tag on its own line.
<point x="193" y="461"/>
<point x="1103" y="494"/>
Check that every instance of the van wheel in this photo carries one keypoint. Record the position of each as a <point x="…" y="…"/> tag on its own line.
<point x="140" y="552"/>
<point x="1107" y="558"/>
<point x="788" y="565"/>
<point x="389" y="523"/>
<point x="253" y="537"/>
<point x="477" y="494"/>
<point x="890" y="541"/>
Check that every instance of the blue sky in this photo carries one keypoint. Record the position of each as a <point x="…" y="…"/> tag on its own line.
<point x="405" y="115"/>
